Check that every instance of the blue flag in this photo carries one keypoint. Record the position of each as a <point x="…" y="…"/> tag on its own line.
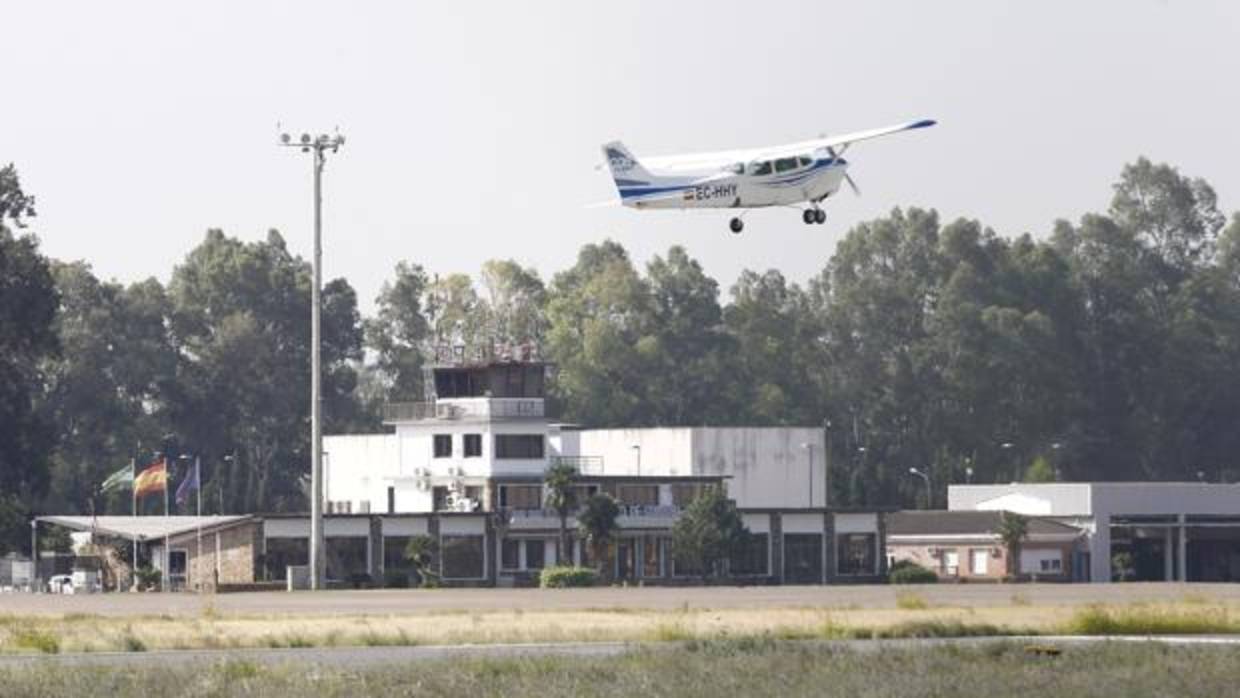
<point x="189" y="484"/>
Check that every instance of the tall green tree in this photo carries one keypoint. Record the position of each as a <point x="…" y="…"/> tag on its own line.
<point x="708" y="532"/>
<point x="778" y="338"/>
<point x="28" y="303"/>
<point x="514" y="303"/>
<point x="105" y="392"/>
<point x="686" y="353"/>
<point x="399" y="334"/>
<point x="240" y="320"/>
<point x="598" y="311"/>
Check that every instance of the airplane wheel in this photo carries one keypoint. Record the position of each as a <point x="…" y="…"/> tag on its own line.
<point x="808" y="216"/>
<point x="736" y="225"/>
<point x="820" y="216"/>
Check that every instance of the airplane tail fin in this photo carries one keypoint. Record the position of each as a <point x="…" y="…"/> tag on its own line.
<point x="625" y="168"/>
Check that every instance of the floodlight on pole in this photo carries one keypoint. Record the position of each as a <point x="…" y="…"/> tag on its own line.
<point x="923" y="476"/>
<point x="319" y="146"/>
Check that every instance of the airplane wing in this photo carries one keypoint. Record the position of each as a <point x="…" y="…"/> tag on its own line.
<point x="720" y="159"/>
<point x="846" y="139"/>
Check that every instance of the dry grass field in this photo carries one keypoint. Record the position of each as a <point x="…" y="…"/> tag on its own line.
<point x="907" y="612"/>
<point x="749" y="667"/>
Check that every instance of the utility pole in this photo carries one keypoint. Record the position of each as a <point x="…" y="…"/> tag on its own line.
<point x="318" y="146"/>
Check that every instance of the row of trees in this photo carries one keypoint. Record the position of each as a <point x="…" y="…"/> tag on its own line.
<point x="1108" y="348"/>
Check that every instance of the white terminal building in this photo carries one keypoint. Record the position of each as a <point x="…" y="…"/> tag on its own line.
<point x="481" y="443"/>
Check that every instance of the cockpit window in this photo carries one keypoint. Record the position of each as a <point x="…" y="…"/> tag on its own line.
<point x="785" y="164"/>
<point x="804" y="161"/>
<point x="760" y="168"/>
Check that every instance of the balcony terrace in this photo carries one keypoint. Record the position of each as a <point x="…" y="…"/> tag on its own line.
<point x="465" y="408"/>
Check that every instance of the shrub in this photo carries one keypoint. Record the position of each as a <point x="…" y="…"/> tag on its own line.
<point x="564" y="576"/>
<point x="906" y="572"/>
<point x="1100" y="620"/>
<point x="396" y="580"/>
<point x="908" y="601"/>
<point x="148" y="578"/>
<point x="35" y="639"/>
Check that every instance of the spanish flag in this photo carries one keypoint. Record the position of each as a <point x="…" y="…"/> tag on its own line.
<point x="153" y="479"/>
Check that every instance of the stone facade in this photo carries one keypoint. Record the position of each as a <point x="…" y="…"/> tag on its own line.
<point x="229" y="555"/>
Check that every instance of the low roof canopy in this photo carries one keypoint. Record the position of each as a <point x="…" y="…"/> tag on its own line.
<point x="140" y="527"/>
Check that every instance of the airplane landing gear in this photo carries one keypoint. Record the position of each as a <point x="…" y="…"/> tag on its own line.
<point x="814" y="215"/>
<point x="736" y="225"/>
<point x="820" y="216"/>
<point x="808" y="216"/>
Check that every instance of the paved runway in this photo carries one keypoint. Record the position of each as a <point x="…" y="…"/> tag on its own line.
<point x="393" y="601"/>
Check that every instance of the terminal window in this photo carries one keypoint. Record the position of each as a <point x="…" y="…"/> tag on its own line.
<point x="527" y="446"/>
<point x="443" y="445"/>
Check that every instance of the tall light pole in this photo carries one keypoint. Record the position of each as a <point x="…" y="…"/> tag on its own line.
<point x="924" y="476"/>
<point x="318" y="146"/>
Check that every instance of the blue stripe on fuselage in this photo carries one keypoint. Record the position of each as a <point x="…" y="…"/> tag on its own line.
<point x="637" y="192"/>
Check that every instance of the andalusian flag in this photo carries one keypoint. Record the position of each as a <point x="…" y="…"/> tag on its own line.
<point x="153" y="479"/>
<point x="119" y="480"/>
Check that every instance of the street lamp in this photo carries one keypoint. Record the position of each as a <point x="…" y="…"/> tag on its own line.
<point x="638" y="449"/>
<point x="318" y="146"/>
<point x="327" y="479"/>
<point x="230" y="458"/>
<point x="826" y="463"/>
<point x="924" y="476"/>
<point x="810" y="468"/>
<point x="34" y="555"/>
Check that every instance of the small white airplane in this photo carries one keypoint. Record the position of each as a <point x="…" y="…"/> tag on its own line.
<point x="788" y="175"/>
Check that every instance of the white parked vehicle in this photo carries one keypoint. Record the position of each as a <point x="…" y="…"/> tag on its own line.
<point x="60" y="584"/>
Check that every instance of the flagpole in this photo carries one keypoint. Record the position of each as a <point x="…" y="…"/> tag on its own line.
<point x="167" y="575"/>
<point x="133" y="498"/>
<point x="198" y="492"/>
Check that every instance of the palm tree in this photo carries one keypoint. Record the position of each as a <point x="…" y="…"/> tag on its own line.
<point x="597" y="523"/>
<point x="562" y="498"/>
<point x="420" y="552"/>
<point x="1012" y="530"/>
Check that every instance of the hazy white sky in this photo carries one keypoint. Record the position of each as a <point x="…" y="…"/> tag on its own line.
<point x="473" y="128"/>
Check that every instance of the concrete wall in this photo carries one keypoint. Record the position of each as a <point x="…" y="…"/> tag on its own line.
<point x="765" y="467"/>
<point x="357" y="469"/>
<point x="1052" y="499"/>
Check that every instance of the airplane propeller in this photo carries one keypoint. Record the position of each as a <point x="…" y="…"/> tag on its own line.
<point x="847" y="178"/>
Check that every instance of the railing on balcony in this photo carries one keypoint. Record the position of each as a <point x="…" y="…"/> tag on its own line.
<point x="585" y="465"/>
<point x="518" y="516"/>
<point x="490" y="408"/>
